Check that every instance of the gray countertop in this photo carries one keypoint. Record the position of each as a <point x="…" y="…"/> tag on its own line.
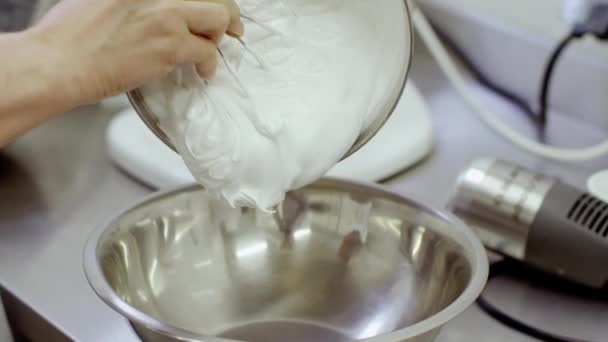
<point x="57" y="184"/>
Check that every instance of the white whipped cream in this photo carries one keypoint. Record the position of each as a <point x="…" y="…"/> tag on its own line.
<point x="319" y="74"/>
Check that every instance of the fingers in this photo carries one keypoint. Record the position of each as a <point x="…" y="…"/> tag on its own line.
<point x="235" y="27"/>
<point x="205" y="19"/>
<point x="207" y="70"/>
<point x="202" y="52"/>
<point x="208" y="20"/>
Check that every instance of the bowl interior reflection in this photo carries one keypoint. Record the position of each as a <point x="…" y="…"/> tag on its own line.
<point x="333" y="264"/>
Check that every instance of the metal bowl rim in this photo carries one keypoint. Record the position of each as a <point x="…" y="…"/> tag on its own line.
<point x="475" y="253"/>
<point x="138" y="103"/>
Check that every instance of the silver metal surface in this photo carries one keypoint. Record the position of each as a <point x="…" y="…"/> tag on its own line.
<point x="338" y="262"/>
<point x="148" y="116"/>
<point x="57" y="184"/>
<point x="500" y="200"/>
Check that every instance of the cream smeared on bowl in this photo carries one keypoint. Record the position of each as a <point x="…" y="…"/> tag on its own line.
<point x="279" y="116"/>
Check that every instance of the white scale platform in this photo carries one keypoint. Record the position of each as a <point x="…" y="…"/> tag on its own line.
<point x="406" y="138"/>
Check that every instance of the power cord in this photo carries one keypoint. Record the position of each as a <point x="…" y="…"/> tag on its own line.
<point x="549" y="71"/>
<point x="484" y="80"/>
<point x="593" y="22"/>
<point x="539" y="118"/>
<point x="454" y="75"/>
<point x="508" y="267"/>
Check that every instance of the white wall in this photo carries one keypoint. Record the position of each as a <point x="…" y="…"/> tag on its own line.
<point x="542" y="17"/>
<point x="510" y="41"/>
<point x="539" y="17"/>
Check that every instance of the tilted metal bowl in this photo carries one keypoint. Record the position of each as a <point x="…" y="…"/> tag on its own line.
<point x="138" y="99"/>
<point x="179" y="270"/>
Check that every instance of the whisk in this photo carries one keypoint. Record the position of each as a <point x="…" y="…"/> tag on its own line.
<point x="258" y="58"/>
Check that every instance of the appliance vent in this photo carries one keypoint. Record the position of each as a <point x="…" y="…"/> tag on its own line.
<point x="590" y="213"/>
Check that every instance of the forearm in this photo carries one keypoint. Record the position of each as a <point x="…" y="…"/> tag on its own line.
<point x="30" y="90"/>
<point x="69" y="59"/>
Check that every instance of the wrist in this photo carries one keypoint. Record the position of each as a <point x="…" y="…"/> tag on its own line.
<point x="24" y="77"/>
<point x="31" y="90"/>
<point x="53" y="68"/>
<point x="36" y="74"/>
<point x="58" y="71"/>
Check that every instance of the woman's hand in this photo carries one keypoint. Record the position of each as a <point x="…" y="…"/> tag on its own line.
<point x="98" y="48"/>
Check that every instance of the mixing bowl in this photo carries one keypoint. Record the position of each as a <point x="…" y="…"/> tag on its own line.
<point x="401" y="68"/>
<point x="339" y="261"/>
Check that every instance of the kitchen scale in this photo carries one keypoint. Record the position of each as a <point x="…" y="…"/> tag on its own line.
<point x="405" y="139"/>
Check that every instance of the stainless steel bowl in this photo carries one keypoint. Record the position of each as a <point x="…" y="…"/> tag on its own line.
<point x="179" y="270"/>
<point x="138" y="101"/>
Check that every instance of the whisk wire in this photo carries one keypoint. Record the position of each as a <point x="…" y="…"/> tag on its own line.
<point x="258" y="58"/>
<point x="233" y="73"/>
<point x="255" y="55"/>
